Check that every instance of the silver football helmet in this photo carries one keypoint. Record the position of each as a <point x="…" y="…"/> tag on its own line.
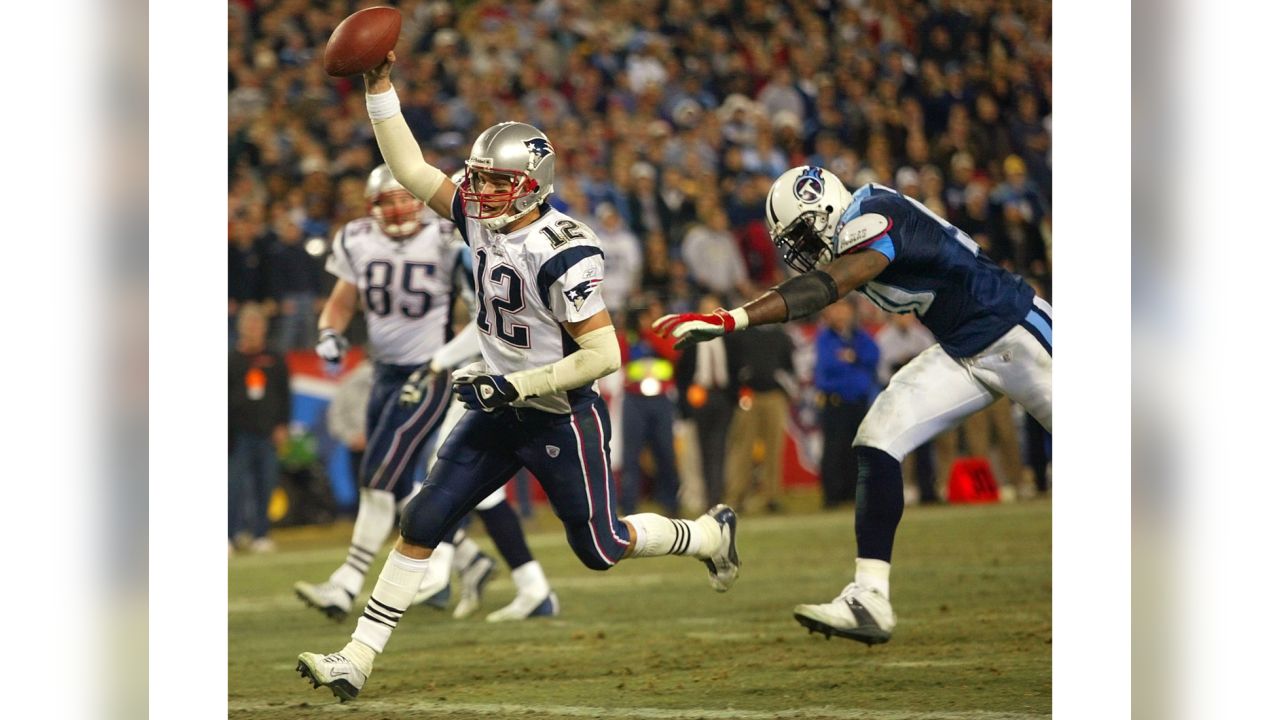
<point x="396" y="210"/>
<point x="510" y="172"/>
<point x="801" y="213"/>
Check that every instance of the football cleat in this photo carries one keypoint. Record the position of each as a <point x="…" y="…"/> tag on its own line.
<point x="527" y="606"/>
<point x="858" y="613"/>
<point x="325" y="597"/>
<point x="722" y="563"/>
<point x="474" y="579"/>
<point x="334" y="672"/>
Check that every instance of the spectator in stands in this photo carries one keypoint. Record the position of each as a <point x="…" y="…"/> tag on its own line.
<point x="706" y="397"/>
<point x="648" y="410"/>
<point x="258" y="414"/>
<point x="622" y="262"/>
<point x="711" y="254"/>
<point x="297" y="286"/>
<point x="845" y="378"/>
<point x="760" y="363"/>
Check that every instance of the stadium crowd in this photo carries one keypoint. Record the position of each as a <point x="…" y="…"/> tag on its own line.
<point x="670" y="120"/>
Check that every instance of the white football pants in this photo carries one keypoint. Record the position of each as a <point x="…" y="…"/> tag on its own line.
<point x="935" y="391"/>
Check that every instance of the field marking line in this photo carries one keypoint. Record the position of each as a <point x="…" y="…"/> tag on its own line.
<point x="428" y="708"/>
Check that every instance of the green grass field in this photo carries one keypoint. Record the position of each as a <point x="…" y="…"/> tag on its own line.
<point x="650" y="639"/>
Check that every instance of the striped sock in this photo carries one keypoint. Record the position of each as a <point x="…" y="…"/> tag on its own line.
<point x="350" y="576"/>
<point x="398" y="582"/>
<point x="657" y="535"/>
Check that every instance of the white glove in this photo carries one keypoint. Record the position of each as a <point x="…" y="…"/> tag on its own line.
<point x="332" y="347"/>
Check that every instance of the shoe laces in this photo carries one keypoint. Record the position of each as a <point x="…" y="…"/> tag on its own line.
<point x="334" y="658"/>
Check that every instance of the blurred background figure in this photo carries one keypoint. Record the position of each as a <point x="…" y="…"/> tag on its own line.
<point x="258" y="417"/>
<point x="297" y="287"/>
<point x="622" y="262"/>
<point x="706" y="398"/>
<point x="648" y="411"/>
<point x="900" y="340"/>
<point x="348" y="410"/>
<point x="845" y="377"/>
<point x="760" y="364"/>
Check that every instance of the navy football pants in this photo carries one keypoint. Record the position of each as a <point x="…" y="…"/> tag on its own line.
<point x="569" y="454"/>
<point x="397" y="435"/>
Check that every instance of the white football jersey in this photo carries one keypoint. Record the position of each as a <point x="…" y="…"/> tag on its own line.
<point x="527" y="283"/>
<point x="406" y="287"/>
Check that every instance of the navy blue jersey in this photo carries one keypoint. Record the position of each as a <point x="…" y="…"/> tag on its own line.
<point x="938" y="272"/>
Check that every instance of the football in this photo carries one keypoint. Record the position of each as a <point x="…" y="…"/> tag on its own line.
<point x="362" y="41"/>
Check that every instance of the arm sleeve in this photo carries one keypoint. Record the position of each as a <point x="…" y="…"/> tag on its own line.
<point x="569" y="283"/>
<point x="464" y="346"/>
<point x="404" y="157"/>
<point x="339" y="262"/>
<point x="597" y="355"/>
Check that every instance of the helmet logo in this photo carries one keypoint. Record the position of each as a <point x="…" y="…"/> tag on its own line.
<point x="539" y="148"/>
<point x="809" y="186"/>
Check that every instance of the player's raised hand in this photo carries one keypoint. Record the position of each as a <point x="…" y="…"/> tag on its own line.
<point x="378" y="80"/>
<point x="690" y="328"/>
<point x="332" y="347"/>
<point x="479" y="390"/>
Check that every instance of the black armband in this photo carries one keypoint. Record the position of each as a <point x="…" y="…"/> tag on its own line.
<point x="806" y="294"/>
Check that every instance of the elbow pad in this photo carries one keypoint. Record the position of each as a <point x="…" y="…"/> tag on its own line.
<point x="597" y="355"/>
<point x="806" y="294"/>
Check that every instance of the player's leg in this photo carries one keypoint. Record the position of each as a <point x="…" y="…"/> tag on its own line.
<point x="633" y="424"/>
<point x="475" y="460"/>
<point x="534" y="597"/>
<point x="577" y="480"/>
<point x="395" y="439"/>
<point x="1020" y="364"/>
<point x="661" y="437"/>
<point x="929" y="394"/>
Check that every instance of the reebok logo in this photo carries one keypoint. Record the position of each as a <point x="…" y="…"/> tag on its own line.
<point x="553" y="451"/>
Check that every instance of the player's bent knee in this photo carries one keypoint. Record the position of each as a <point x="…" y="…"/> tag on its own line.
<point x="426" y="519"/>
<point x="590" y="553"/>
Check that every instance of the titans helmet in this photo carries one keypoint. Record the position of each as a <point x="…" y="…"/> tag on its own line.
<point x="801" y="212"/>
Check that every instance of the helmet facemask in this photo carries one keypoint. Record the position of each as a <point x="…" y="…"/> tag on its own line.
<point x="497" y="197"/>
<point x="398" y="213"/>
<point x="803" y="242"/>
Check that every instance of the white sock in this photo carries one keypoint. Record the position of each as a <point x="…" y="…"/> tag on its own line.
<point x="873" y="574"/>
<point x="466" y="551"/>
<point x="530" y="580"/>
<point x="398" y="582"/>
<point x="657" y="535"/>
<point x="374" y="520"/>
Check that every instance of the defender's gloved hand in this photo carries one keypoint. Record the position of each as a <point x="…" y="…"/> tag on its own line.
<point x="690" y="328"/>
<point x="332" y="347"/>
<point x="479" y="390"/>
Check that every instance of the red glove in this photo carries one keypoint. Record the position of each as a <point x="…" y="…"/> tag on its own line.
<point x="690" y="328"/>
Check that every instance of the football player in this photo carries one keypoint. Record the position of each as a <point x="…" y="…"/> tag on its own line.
<point x="402" y="266"/>
<point x="545" y="337"/>
<point x="995" y="337"/>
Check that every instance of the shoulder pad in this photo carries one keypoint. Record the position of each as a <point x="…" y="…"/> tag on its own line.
<point x="861" y="230"/>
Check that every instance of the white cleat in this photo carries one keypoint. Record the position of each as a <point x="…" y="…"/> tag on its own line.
<point x="527" y="606"/>
<point x="858" y="613"/>
<point x="334" y="672"/>
<point x="722" y="564"/>
<point x="473" y="580"/>
<point x="325" y="597"/>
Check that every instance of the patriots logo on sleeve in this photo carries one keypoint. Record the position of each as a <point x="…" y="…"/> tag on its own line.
<point x="579" y="293"/>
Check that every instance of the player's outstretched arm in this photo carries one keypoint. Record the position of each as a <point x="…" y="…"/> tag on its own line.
<point x="798" y="297"/>
<point x="401" y="151"/>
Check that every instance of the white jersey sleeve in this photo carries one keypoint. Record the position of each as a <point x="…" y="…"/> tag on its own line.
<point x="575" y="295"/>
<point x="339" y="263"/>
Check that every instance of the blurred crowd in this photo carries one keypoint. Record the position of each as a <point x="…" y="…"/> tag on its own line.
<point x="670" y="119"/>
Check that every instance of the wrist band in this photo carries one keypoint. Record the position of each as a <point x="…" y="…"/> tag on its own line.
<point x="382" y="106"/>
